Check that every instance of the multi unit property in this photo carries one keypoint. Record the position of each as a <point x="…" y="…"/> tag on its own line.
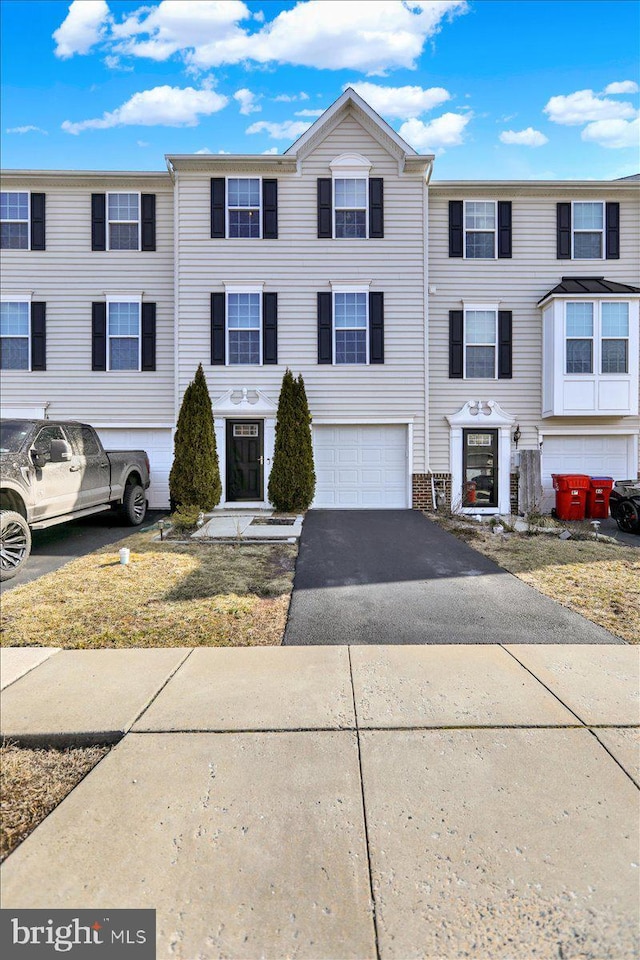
<point x="441" y="327"/>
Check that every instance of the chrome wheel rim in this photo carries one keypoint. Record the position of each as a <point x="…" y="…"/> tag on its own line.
<point x="139" y="505"/>
<point x="13" y="546"/>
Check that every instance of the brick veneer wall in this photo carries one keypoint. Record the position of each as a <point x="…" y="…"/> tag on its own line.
<point x="513" y="493"/>
<point x="422" y="495"/>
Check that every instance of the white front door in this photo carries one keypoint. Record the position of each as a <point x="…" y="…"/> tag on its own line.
<point x="361" y="466"/>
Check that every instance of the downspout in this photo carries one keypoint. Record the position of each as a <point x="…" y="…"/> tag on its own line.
<point x="425" y="253"/>
<point x="176" y="296"/>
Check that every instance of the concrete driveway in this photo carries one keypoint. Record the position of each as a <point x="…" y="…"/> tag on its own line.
<point x="392" y="576"/>
<point x="55" y="546"/>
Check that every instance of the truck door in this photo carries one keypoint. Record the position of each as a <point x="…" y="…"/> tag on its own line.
<point x="56" y="486"/>
<point x="96" y="472"/>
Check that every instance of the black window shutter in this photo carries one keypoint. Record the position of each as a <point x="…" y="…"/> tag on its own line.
<point x="613" y="231"/>
<point x="456" y="228"/>
<point x="504" y="344"/>
<point x="376" y="208"/>
<point x="456" y="344"/>
<point x="218" y="329"/>
<point x="148" y="205"/>
<point x="38" y="336"/>
<point x="504" y="229"/>
<point x="563" y="220"/>
<point x="325" y="328"/>
<point x="269" y="327"/>
<point x="376" y="327"/>
<point x="218" y="212"/>
<point x="270" y="209"/>
<point x="98" y="221"/>
<point x="37" y="221"/>
<point x="98" y="336"/>
<point x="148" y="336"/>
<point x="325" y="205"/>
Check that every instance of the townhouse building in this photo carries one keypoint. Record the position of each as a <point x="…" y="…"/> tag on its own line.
<point x="440" y="328"/>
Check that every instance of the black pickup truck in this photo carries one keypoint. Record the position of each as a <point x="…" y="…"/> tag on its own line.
<point x="52" y="471"/>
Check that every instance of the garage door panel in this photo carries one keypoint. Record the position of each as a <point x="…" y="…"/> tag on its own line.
<point x="158" y="445"/>
<point x="361" y="466"/>
<point x="607" y="456"/>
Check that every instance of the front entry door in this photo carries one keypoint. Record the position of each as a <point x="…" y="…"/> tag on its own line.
<point x="245" y="459"/>
<point x="480" y="468"/>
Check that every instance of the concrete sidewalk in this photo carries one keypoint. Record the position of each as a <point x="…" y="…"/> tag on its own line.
<point x="335" y="802"/>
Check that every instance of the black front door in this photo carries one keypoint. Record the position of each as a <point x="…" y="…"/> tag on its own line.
<point x="480" y="468"/>
<point x="245" y="458"/>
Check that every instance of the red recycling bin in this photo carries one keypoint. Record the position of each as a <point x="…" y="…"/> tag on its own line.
<point x="598" y="497"/>
<point x="571" y="495"/>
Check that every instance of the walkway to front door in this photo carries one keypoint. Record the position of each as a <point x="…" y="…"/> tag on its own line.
<point x="392" y="576"/>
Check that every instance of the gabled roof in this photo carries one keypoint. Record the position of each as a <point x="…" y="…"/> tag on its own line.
<point x="351" y="99"/>
<point x="591" y="286"/>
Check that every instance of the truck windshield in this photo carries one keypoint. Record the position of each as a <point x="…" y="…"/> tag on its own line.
<point x="13" y="434"/>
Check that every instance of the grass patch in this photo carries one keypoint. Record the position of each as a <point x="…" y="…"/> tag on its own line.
<point x="597" y="579"/>
<point x="169" y="595"/>
<point x="33" y="782"/>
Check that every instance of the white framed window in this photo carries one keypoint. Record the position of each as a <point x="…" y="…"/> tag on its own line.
<point x="350" y="207"/>
<point x="244" y="327"/>
<point x="244" y="207"/>
<point x="123" y="335"/>
<point x="14" y="220"/>
<point x="15" y="335"/>
<point x="123" y="221"/>
<point x="480" y="229"/>
<point x="351" y="327"/>
<point x="587" y="237"/>
<point x="597" y="337"/>
<point x="480" y="344"/>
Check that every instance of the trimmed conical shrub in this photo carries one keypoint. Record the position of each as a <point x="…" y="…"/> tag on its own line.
<point x="292" y="481"/>
<point x="195" y="474"/>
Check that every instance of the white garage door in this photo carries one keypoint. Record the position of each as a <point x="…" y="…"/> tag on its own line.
<point x="603" y="456"/>
<point x="158" y="445"/>
<point x="361" y="466"/>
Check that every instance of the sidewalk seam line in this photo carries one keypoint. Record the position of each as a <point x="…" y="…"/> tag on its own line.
<point x="543" y="684"/>
<point x="31" y="669"/>
<point x="158" y="691"/>
<point x="364" y="812"/>
<point x="615" y="759"/>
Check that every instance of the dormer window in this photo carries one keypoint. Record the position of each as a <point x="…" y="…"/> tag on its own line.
<point x="350" y="202"/>
<point x="350" y="207"/>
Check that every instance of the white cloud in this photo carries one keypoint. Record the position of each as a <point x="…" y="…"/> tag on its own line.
<point x="270" y="151"/>
<point x="166" y="106"/>
<point x="401" y="103"/>
<point x="308" y="113"/>
<point x="372" y="38"/>
<point x="204" y="151"/>
<point x="524" y="138"/>
<point x="290" y="98"/>
<point x="432" y="137"/>
<point x="142" y="143"/>
<point x="27" y="129"/>
<point x="82" y="28"/>
<point x="622" y="86"/>
<point x="289" y="130"/>
<point x="248" y="101"/>
<point x="584" y="106"/>
<point x="614" y="134"/>
<point x="115" y="63"/>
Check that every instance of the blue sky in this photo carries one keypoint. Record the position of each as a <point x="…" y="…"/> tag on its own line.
<point x="498" y="90"/>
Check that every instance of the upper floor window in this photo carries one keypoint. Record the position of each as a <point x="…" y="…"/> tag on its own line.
<point x="14" y="221"/>
<point x="244" y="204"/>
<point x="350" y="207"/>
<point x="597" y="336"/>
<point x="480" y="338"/>
<point x="480" y="229"/>
<point x="588" y="231"/>
<point x="350" y="324"/>
<point x="15" y="335"/>
<point x="123" y="335"/>
<point x="123" y="215"/>
<point x="244" y="326"/>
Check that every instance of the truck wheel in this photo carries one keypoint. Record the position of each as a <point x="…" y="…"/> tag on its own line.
<point x="628" y="516"/>
<point x="15" y="543"/>
<point x="134" y="504"/>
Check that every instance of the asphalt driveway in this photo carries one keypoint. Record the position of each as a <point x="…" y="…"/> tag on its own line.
<point x="55" y="546"/>
<point x="392" y="576"/>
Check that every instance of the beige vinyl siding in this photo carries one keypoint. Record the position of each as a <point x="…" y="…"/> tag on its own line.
<point x="517" y="284"/>
<point x="297" y="266"/>
<point x="69" y="276"/>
